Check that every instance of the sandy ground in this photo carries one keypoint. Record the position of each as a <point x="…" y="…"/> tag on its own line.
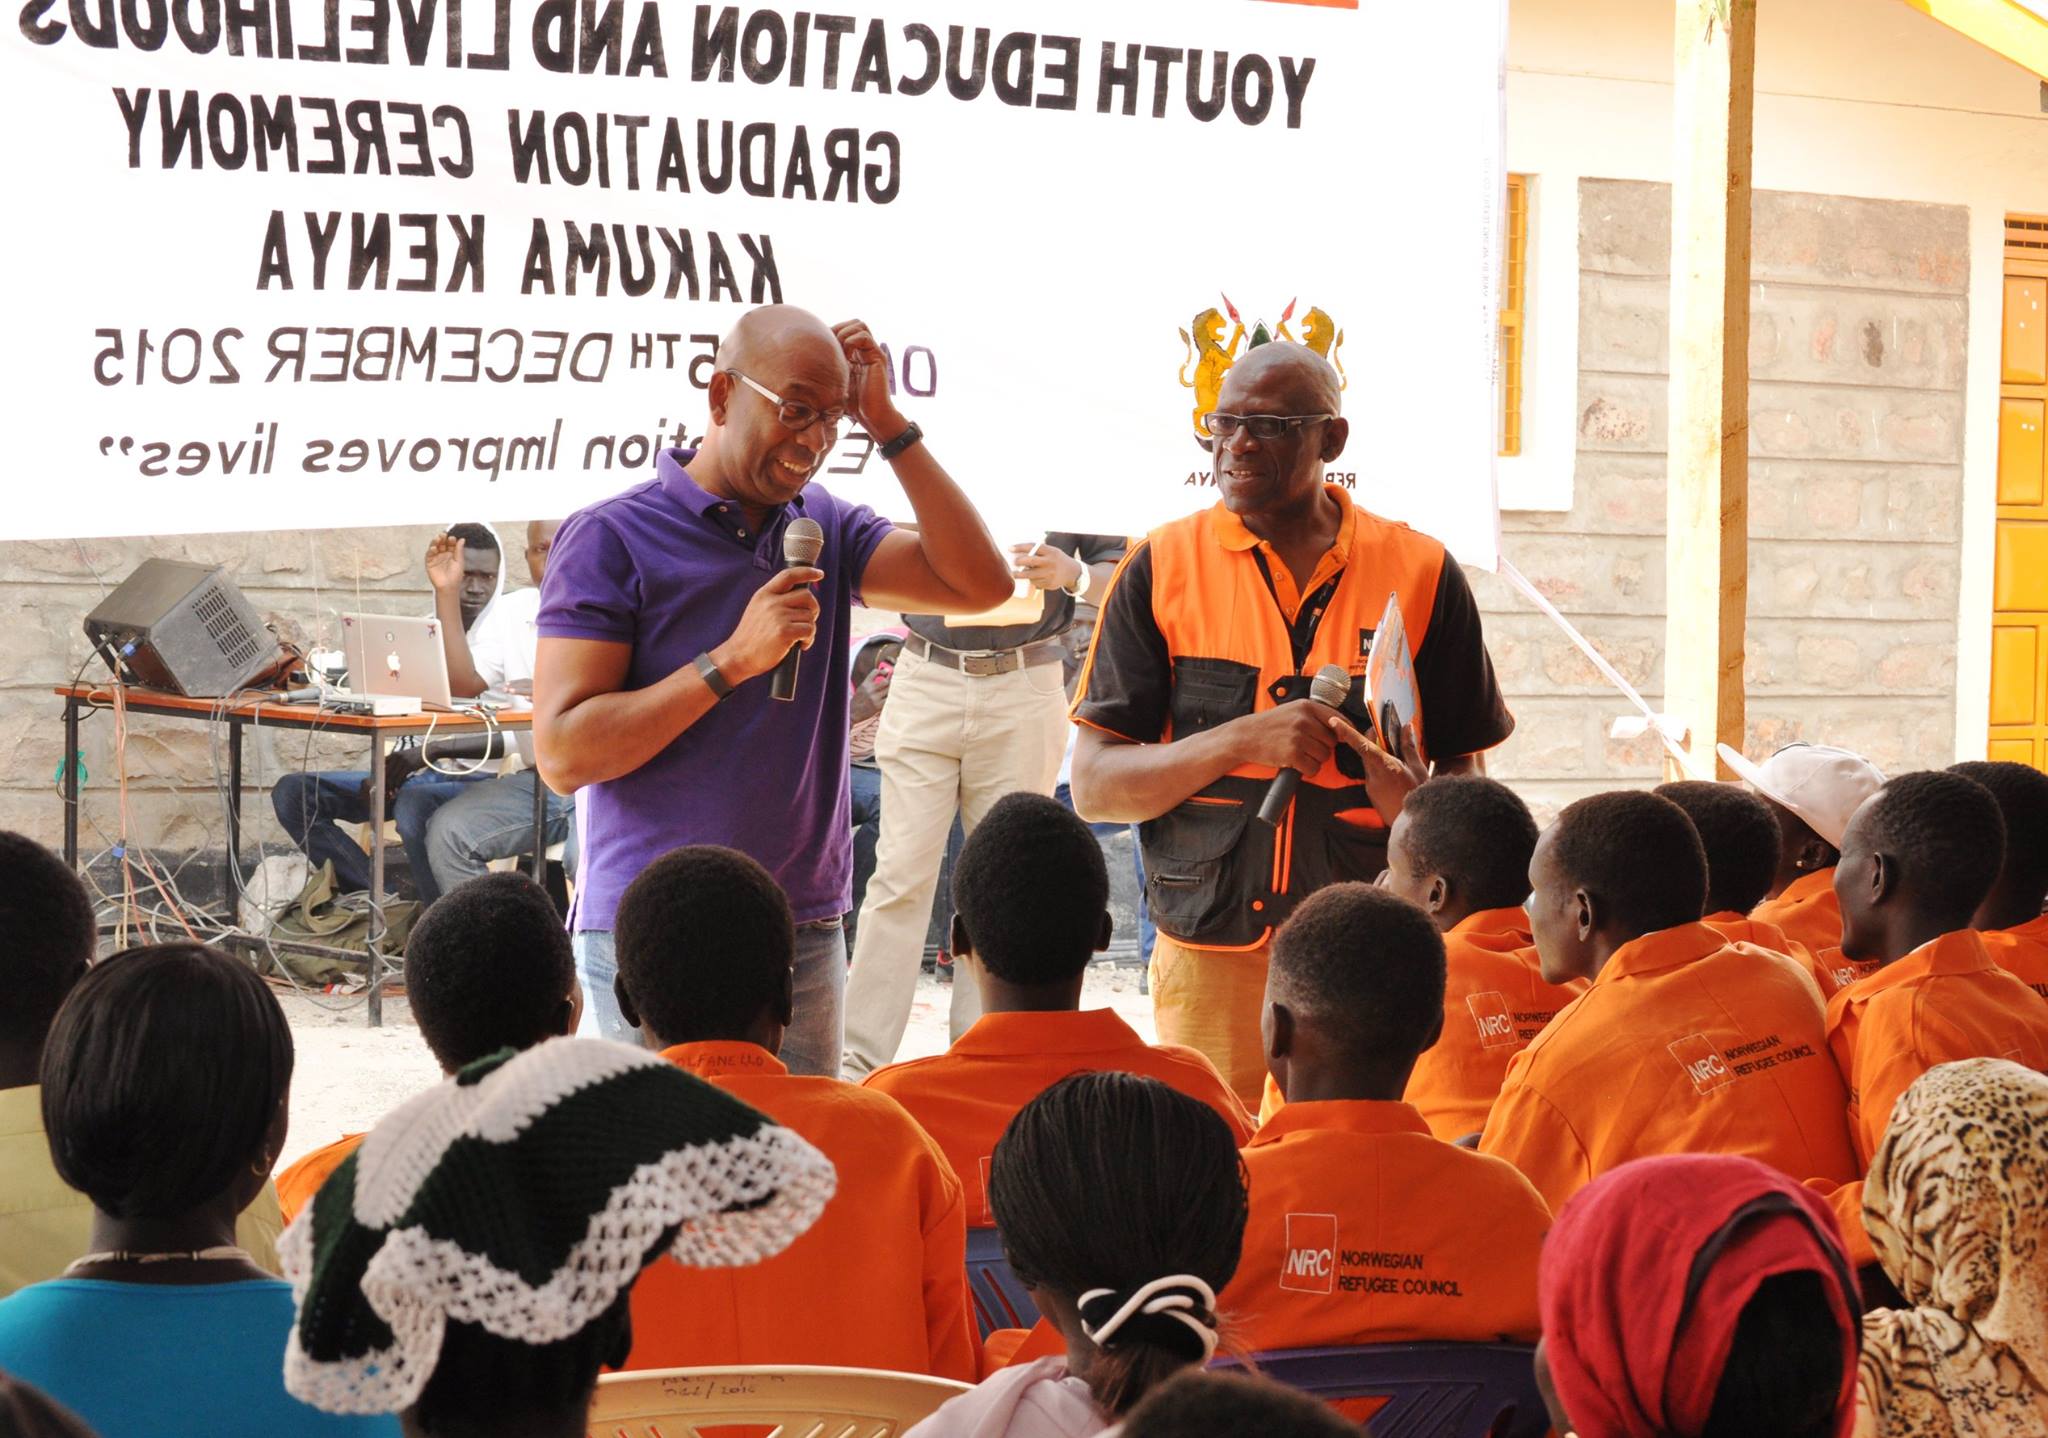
<point x="349" y="1075"/>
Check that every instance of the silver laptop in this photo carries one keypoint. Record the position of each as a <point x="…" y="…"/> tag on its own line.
<point x="398" y="655"/>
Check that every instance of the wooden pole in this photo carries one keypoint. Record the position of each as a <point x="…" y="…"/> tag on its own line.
<point x="1707" y="503"/>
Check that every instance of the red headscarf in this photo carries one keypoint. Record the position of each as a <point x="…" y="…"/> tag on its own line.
<point x="1648" y="1269"/>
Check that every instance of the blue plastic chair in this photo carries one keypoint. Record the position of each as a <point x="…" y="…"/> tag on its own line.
<point x="1428" y="1390"/>
<point x="1000" y="1301"/>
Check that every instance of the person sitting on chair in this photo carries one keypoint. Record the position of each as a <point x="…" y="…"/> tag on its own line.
<point x="1122" y="1208"/>
<point x="469" y="1267"/>
<point x="1459" y="851"/>
<point x="706" y="948"/>
<point x="1348" y="1171"/>
<point x="165" y="1085"/>
<point x="1697" y="1296"/>
<point x="1685" y="1043"/>
<point x="1743" y="844"/>
<point x="452" y="821"/>
<point x="1812" y="790"/>
<point x="488" y="968"/>
<point x="47" y="937"/>
<point x="1918" y="861"/>
<point x="1031" y="900"/>
<point x="2011" y="918"/>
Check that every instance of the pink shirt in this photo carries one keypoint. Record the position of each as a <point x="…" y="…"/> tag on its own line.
<point x="1033" y="1400"/>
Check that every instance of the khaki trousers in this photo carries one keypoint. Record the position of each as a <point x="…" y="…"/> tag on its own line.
<point x="1209" y="1000"/>
<point x="948" y="742"/>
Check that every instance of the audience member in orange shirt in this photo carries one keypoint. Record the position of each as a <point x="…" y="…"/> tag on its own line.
<point x="488" y="967"/>
<point x="1122" y="1206"/>
<point x="1459" y="850"/>
<point x="2011" y="919"/>
<point x="1918" y="860"/>
<point x="1031" y="908"/>
<point x="1812" y="789"/>
<point x="1685" y="1043"/>
<point x="1740" y="833"/>
<point x="1364" y="1227"/>
<point x="706" y="949"/>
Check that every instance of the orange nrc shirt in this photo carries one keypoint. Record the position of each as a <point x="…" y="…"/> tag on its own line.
<point x="1807" y="912"/>
<point x="2022" y="951"/>
<point x="297" y="1184"/>
<point x="1495" y="1002"/>
<point x="965" y="1097"/>
<point x="879" y="1281"/>
<point x="1366" y="1229"/>
<point x="1946" y="1000"/>
<point x="1685" y="1043"/>
<point x="1834" y="971"/>
<point x="1828" y="969"/>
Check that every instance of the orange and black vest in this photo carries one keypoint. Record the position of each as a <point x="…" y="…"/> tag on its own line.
<point x="1215" y="877"/>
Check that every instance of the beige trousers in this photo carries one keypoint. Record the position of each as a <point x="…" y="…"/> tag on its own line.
<point x="1210" y="1000"/>
<point x="948" y="742"/>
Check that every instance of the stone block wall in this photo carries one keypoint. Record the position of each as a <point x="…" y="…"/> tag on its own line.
<point x="1859" y="318"/>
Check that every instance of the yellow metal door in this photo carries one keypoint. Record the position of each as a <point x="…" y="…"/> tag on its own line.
<point x="2019" y="600"/>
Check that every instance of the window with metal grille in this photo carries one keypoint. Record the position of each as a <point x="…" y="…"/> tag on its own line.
<point x="1513" y="299"/>
<point x="2026" y="236"/>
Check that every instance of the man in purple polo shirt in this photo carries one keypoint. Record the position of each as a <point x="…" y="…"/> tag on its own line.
<point x="665" y="608"/>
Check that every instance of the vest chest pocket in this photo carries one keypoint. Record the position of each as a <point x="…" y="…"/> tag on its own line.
<point x="1209" y="692"/>
<point x="1193" y="859"/>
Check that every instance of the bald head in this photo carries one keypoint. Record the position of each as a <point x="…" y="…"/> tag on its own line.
<point x="748" y="453"/>
<point x="1283" y="372"/>
<point x="775" y="334"/>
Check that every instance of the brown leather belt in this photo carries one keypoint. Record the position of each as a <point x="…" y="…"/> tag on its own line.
<point x="986" y="663"/>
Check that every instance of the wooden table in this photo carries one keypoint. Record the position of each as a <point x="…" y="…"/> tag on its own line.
<point x="272" y="713"/>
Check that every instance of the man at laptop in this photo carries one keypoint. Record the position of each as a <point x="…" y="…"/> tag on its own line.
<point x="452" y="823"/>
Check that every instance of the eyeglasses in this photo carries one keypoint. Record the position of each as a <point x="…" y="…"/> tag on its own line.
<point x="1262" y="426"/>
<point x="793" y="415"/>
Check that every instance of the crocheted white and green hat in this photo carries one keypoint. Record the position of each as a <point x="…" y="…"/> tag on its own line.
<point x="522" y="1198"/>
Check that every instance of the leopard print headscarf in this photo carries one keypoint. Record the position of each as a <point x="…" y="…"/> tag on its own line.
<point x="1957" y="1210"/>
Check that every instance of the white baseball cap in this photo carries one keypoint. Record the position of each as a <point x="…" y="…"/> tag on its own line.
<point x="1821" y="785"/>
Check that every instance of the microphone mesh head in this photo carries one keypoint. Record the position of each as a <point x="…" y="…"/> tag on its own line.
<point x="803" y="542"/>
<point x="1331" y="684"/>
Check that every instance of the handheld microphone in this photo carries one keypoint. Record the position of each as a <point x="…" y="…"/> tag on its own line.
<point x="1329" y="688"/>
<point x="802" y="543"/>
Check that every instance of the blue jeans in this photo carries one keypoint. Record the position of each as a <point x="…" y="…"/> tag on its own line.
<point x="312" y="808"/>
<point x="1146" y="932"/>
<point x="489" y="821"/>
<point x="810" y="1045"/>
<point x="864" y="784"/>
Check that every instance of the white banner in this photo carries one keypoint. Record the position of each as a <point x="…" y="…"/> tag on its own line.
<point x="284" y="263"/>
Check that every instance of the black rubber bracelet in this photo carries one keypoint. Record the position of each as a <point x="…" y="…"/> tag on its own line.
<point x="707" y="668"/>
<point x="902" y="441"/>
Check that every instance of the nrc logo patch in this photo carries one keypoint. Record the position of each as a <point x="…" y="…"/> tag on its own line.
<point x="1309" y="1262"/>
<point x="1702" y="1063"/>
<point x="1490" y="1015"/>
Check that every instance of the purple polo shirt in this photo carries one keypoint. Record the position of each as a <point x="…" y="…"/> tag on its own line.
<point x="668" y="569"/>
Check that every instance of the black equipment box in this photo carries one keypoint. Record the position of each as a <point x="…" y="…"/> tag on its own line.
<point x="182" y="627"/>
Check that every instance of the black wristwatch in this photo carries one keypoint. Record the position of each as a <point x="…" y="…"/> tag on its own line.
<point x="902" y="441"/>
<point x="707" y="669"/>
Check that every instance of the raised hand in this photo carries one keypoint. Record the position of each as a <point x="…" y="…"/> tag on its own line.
<point x="867" y="391"/>
<point x="444" y="563"/>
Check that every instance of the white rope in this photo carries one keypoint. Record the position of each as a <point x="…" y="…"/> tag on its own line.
<point x="1659" y="724"/>
<point x="1173" y="1305"/>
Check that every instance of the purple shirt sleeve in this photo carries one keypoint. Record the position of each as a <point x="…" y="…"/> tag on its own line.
<point x="860" y="532"/>
<point x="592" y="588"/>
